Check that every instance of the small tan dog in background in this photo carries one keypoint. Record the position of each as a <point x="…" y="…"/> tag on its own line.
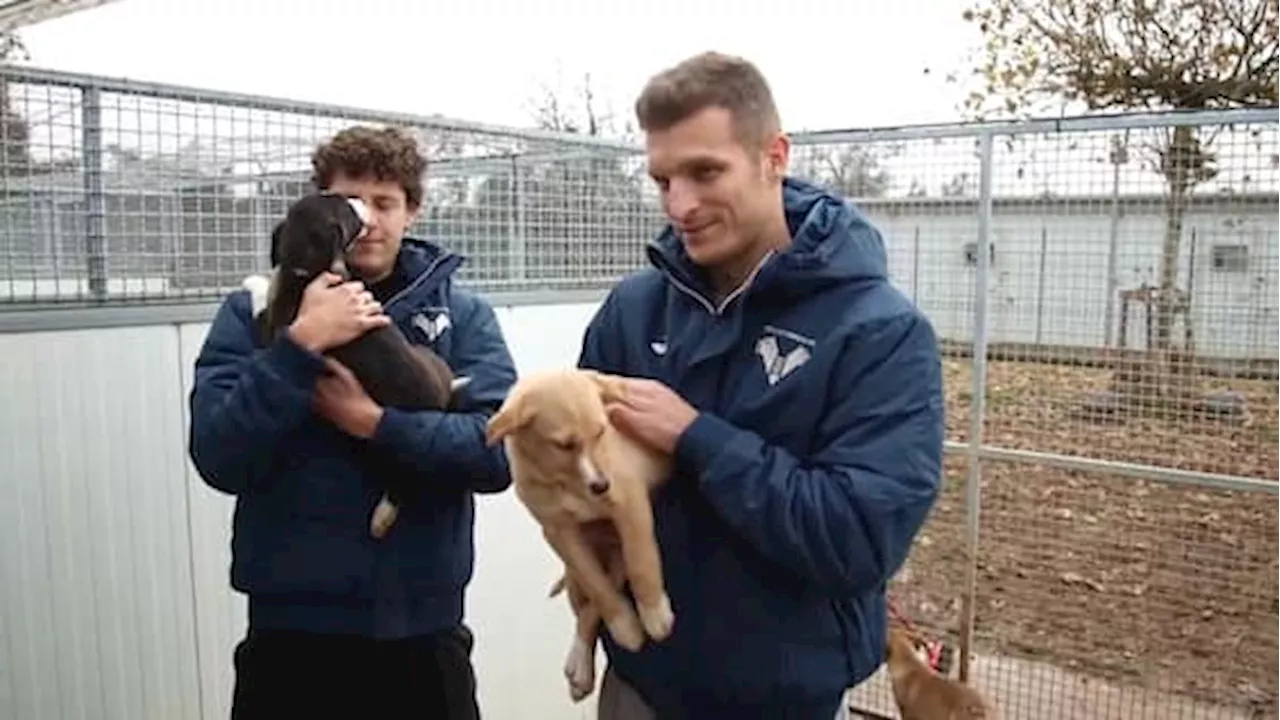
<point x="921" y="693"/>
<point x="587" y="485"/>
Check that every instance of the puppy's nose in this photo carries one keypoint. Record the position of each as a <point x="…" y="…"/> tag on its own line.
<point x="598" y="486"/>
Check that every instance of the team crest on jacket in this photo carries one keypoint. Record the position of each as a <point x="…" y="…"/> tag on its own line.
<point x="782" y="352"/>
<point x="433" y="323"/>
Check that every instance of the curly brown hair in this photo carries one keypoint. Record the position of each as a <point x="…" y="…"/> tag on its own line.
<point x="386" y="153"/>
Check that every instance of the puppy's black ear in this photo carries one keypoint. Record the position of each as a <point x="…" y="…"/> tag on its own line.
<point x="275" y="244"/>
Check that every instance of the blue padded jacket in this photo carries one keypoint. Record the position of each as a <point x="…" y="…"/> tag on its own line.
<point x="301" y="548"/>
<point x="800" y="487"/>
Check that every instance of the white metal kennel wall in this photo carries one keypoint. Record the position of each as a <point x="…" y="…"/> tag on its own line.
<point x="132" y="208"/>
<point x="114" y="600"/>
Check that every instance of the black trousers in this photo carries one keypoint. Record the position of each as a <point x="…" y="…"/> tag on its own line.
<point x="299" y="675"/>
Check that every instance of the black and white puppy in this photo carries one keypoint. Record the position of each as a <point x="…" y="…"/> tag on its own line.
<point x="315" y="236"/>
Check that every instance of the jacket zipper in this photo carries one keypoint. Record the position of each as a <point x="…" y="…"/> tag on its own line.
<point x="718" y="310"/>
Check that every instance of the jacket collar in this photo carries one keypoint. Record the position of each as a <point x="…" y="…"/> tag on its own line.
<point x="831" y="243"/>
<point x="427" y="267"/>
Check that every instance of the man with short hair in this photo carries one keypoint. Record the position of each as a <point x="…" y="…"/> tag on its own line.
<point x="801" y="396"/>
<point x="342" y="625"/>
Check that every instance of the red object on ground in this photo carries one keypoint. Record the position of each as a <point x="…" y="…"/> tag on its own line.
<point x="934" y="648"/>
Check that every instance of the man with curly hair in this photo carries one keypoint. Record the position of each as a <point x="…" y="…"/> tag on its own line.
<point x="342" y="625"/>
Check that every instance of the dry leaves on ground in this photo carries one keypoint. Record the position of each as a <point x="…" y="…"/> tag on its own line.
<point x="1166" y="586"/>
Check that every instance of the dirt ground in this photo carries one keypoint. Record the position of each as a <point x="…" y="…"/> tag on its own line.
<point x="1173" y="588"/>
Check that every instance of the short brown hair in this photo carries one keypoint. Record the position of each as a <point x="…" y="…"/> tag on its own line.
<point x="364" y="151"/>
<point x="710" y="79"/>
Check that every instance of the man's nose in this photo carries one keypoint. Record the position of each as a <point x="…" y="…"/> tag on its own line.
<point x="681" y="201"/>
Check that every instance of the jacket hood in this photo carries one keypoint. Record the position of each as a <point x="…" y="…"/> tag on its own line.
<point x="419" y="256"/>
<point x="831" y="242"/>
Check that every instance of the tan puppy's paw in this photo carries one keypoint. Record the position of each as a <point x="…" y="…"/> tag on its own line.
<point x="658" y="618"/>
<point x="626" y="630"/>
<point x="580" y="670"/>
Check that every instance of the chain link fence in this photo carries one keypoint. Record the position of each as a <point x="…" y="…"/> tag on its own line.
<point x="117" y="192"/>
<point x="1106" y="289"/>
<point x="1104" y="547"/>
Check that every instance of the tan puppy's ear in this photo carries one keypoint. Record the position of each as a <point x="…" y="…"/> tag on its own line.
<point x="910" y="637"/>
<point x="613" y="389"/>
<point x="512" y="416"/>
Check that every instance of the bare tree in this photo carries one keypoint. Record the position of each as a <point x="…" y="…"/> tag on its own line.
<point x="15" y="152"/>
<point x="577" y="110"/>
<point x="561" y="208"/>
<point x="962" y="184"/>
<point x="854" y="171"/>
<point x="1132" y="54"/>
<point x="588" y="201"/>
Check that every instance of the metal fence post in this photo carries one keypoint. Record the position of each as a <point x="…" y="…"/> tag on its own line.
<point x="1040" y="278"/>
<point x="95" y="210"/>
<point x="1119" y="156"/>
<point x="977" y="408"/>
<point x="519" y="253"/>
<point x="915" y="266"/>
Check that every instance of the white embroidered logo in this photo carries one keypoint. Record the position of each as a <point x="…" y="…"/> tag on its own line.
<point x="776" y="364"/>
<point x="433" y="327"/>
<point x="659" y="347"/>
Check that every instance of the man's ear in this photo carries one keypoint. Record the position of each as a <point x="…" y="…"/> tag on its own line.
<point x="777" y="156"/>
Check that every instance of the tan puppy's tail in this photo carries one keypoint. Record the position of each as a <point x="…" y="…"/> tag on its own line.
<point x="557" y="587"/>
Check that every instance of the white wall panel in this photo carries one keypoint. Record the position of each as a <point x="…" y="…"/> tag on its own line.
<point x="116" y="556"/>
<point x="98" y="619"/>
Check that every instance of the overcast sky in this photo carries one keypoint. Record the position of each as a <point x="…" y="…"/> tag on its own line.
<point x="832" y="63"/>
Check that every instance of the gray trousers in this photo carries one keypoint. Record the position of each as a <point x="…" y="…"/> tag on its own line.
<point x="620" y="701"/>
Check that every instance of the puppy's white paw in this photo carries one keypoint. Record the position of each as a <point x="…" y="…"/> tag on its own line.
<point x="259" y="288"/>
<point x="580" y="670"/>
<point x="658" y="618"/>
<point x="627" y="630"/>
<point x="384" y="516"/>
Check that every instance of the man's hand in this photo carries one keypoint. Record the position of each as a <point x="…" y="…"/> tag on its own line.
<point x="653" y="413"/>
<point x="334" y="313"/>
<point x="340" y="399"/>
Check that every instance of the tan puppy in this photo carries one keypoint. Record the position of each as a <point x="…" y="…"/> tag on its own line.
<point x="922" y="694"/>
<point x="588" y="486"/>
